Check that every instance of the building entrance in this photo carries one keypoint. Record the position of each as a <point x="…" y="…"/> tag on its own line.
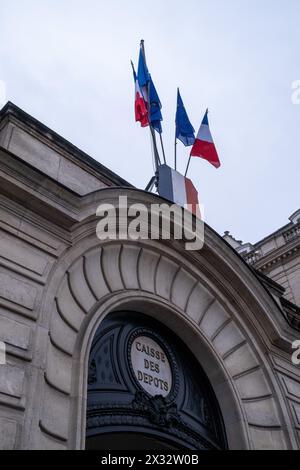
<point x="147" y="391"/>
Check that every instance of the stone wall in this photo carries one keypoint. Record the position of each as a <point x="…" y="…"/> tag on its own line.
<point x="277" y="256"/>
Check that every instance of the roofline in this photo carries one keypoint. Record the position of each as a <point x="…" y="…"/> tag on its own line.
<point x="271" y="235"/>
<point x="11" y="110"/>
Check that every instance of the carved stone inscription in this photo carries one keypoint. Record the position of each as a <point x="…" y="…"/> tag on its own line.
<point x="151" y="366"/>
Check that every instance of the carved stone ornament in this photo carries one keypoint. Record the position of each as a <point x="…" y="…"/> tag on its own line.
<point x="158" y="410"/>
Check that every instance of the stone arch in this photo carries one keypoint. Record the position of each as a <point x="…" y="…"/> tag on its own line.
<point x="156" y="280"/>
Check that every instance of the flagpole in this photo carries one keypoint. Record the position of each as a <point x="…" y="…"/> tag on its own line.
<point x="132" y="66"/>
<point x="152" y="132"/>
<point x="163" y="150"/>
<point x="175" y="142"/>
<point x="187" y="167"/>
<point x="156" y="154"/>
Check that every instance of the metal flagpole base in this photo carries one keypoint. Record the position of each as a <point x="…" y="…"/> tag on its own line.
<point x="151" y="184"/>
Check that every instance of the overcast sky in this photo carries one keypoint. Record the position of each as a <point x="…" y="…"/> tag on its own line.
<point x="67" y="63"/>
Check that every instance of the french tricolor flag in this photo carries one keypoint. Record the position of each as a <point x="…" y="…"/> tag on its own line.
<point x="178" y="189"/>
<point x="140" y="105"/>
<point x="204" y="146"/>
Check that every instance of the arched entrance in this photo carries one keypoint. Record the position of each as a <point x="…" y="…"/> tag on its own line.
<point x="211" y="299"/>
<point x="147" y="391"/>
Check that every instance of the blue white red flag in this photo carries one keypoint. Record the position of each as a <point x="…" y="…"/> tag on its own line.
<point x="204" y="146"/>
<point x="178" y="189"/>
<point x="140" y="106"/>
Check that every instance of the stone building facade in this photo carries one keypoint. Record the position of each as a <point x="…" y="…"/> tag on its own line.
<point x="277" y="256"/>
<point x="62" y="290"/>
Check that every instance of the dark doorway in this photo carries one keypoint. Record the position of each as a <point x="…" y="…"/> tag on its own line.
<point x="125" y="441"/>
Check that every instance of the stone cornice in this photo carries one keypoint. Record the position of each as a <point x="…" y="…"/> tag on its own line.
<point x="267" y="262"/>
<point x="292" y="312"/>
<point x="273" y="235"/>
<point x="271" y="285"/>
<point x="12" y="113"/>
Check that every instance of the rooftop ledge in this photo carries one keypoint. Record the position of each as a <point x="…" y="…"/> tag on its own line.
<point x="40" y="147"/>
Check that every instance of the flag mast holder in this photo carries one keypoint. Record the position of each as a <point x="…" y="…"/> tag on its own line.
<point x="163" y="149"/>
<point x="187" y="166"/>
<point x="152" y="182"/>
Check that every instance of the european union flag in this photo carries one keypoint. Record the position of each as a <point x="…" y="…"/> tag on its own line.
<point x="184" y="129"/>
<point x="155" y="107"/>
<point x="143" y="73"/>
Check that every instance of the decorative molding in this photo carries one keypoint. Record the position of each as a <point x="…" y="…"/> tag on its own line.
<point x="51" y="433"/>
<point x="159" y="410"/>
<point x="142" y="411"/>
<point x="92" y="374"/>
